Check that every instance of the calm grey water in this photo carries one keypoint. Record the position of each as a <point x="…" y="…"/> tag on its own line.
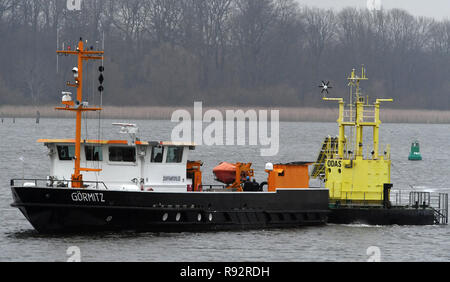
<point x="298" y="141"/>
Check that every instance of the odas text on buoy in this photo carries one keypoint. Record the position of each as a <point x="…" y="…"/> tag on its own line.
<point x="334" y="163"/>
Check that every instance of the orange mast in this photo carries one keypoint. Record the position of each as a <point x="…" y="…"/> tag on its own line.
<point x="79" y="107"/>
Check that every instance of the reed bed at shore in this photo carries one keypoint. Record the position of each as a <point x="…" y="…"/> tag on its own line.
<point x="285" y="113"/>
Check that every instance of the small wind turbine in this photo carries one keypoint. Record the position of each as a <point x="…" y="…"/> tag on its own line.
<point x="325" y="86"/>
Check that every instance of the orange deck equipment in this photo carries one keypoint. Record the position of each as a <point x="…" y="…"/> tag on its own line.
<point x="225" y="172"/>
<point x="233" y="175"/>
<point x="289" y="175"/>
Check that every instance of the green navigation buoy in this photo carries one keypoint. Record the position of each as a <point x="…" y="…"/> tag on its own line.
<point x="414" y="154"/>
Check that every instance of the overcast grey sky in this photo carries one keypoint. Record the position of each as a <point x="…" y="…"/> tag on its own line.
<point x="439" y="9"/>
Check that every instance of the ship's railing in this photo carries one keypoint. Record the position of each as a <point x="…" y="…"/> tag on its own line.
<point x="438" y="202"/>
<point x="367" y="199"/>
<point x="442" y="211"/>
<point x="54" y="183"/>
<point x="402" y="197"/>
<point x="421" y="200"/>
<point x="349" y="114"/>
<point x="329" y="149"/>
<point x="213" y="187"/>
<point x="368" y="113"/>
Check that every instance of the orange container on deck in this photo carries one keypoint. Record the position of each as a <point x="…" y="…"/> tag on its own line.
<point x="289" y="175"/>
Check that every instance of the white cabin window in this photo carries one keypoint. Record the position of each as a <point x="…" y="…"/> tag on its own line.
<point x="122" y="154"/>
<point x="66" y="152"/>
<point x="93" y="153"/>
<point x="174" y="154"/>
<point x="157" y="154"/>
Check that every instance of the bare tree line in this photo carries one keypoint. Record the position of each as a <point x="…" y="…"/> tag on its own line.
<point x="223" y="52"/>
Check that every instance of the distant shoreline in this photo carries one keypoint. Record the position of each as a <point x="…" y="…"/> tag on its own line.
<point x="286" y="114"/>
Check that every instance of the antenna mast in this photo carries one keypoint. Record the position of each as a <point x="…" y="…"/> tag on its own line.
<point x="78" y="106"/>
